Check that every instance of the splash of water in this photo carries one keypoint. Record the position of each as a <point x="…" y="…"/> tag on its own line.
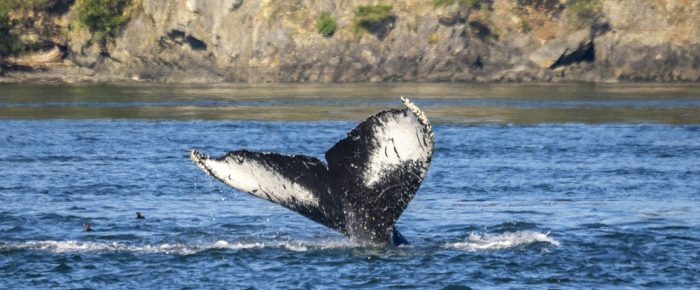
<point x="486" y="241"/>
<point x="72" y="246"/>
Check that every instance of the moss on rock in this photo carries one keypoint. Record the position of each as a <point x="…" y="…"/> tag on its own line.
<point x="104" y="18"/>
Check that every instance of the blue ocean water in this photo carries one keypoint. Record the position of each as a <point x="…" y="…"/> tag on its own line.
<point x="543" y="205"/>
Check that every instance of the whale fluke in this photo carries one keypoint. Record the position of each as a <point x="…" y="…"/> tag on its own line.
<point x="367" y="182"/>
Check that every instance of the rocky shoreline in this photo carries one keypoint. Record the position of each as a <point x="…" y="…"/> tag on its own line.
<point x="259" y="41"/>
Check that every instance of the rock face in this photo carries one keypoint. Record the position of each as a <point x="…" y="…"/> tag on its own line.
<point x="277" y="41"/>
<point x="564" y="50"/>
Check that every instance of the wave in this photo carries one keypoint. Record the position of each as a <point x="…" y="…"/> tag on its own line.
<point x="506" y="240"/>
<point x="474" y="242"/>
<point x="73" y="246"/>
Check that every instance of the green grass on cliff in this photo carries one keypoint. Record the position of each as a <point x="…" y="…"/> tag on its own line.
<point x="584" y="11"/>
<point x="370" y="18"/>
<point x="9" y="6"/>
<point x="326" y="24"/>
<point x="466" y="3"/>
<point x="104" y="18"/>
<point x="6" y="6"/>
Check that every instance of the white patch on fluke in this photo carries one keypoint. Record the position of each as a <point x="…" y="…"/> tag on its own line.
<point x="255" y="178"/>
<point x="476" y="242"/>
<point x="399" y="138"/>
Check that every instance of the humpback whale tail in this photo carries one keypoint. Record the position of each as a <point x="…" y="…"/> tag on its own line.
<point x="365" y="184"/>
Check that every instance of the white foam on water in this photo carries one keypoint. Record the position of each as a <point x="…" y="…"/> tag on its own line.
<point x="486" y="241"/>
<point x="73" y="246"/>
<point x="83" y="247"/>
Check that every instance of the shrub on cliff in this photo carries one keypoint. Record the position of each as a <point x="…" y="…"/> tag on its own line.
<point x="373" y="18"/>
<point x="10" y="42"/>
<point x="104" y="18"/>
<point x="325" y="24"/>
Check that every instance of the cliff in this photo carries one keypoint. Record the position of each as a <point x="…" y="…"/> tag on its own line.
<point x="351" y="40"/>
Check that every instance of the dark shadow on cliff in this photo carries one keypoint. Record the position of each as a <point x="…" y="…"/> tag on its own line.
<point x="584" y="53"/>
<point x="380" y="28"/>
<point x="181" y="38"/>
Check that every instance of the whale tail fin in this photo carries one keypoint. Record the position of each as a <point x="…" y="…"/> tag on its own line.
<point x="299" y="183"/>
<point x="378" y="168"/>
<point x="369" y="179"/>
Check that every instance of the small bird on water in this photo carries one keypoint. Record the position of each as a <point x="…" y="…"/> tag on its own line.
<point x="139" y="216"/>
<point x="87" y="227"/>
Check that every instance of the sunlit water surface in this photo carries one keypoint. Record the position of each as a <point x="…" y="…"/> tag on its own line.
<point x="530" y="186"/>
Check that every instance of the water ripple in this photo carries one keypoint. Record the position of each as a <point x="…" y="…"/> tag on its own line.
<point x="619" y="199"/>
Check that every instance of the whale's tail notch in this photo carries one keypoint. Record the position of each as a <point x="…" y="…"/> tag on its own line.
<point x="367" y="182"/>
